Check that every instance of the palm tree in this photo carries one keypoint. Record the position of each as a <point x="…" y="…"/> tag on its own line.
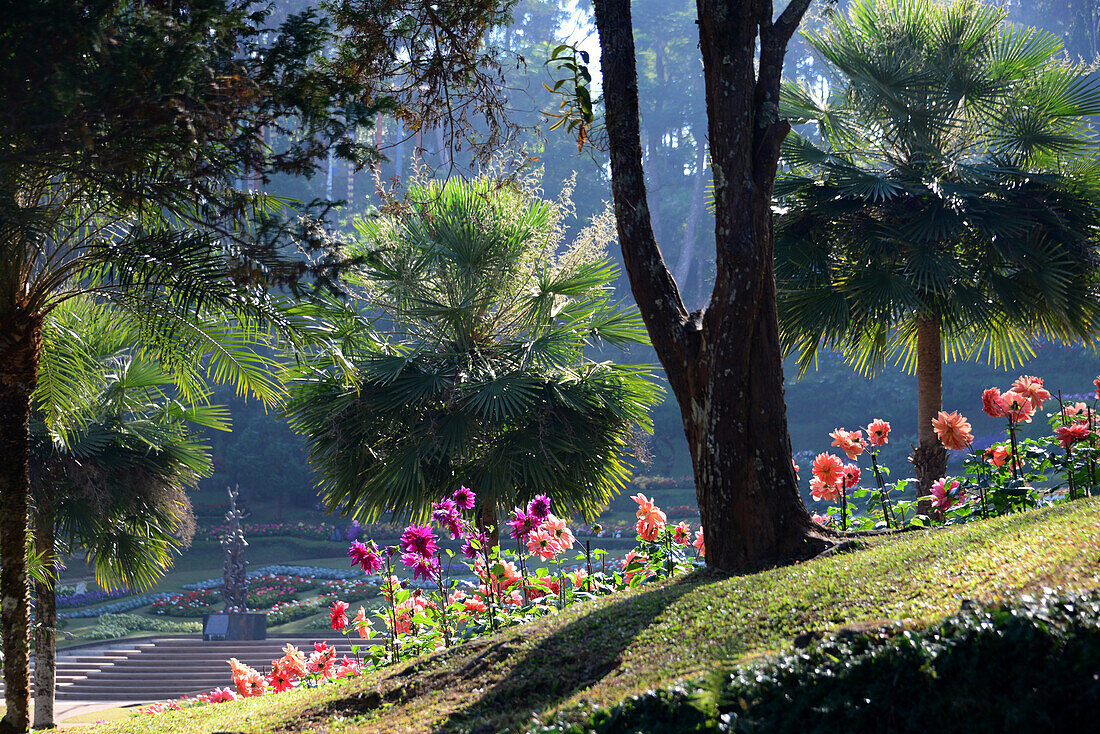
<point x="467" y="364"/>
<point x="942" y="198"/>
<point x="113" y="486"/>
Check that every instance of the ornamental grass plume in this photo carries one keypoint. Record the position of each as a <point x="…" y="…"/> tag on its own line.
<point x="850" y="442"/>
<point x="878" y="432"/>
<point x="827" y="468"/>
<point x="1032" y="388"/>
<point x="953" y="430"/>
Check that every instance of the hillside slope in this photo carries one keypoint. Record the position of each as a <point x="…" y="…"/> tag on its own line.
<point x="598" y="654"/>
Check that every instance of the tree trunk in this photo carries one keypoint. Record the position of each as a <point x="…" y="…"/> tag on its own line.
<point x="930" y="457"/>
<point x="488" y="522"/>
<point x="723" y="363"/>
<point x="20" y="345"/>
<point x="45" y="610"/>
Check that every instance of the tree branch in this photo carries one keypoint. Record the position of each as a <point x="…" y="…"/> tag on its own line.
<point x="787" y="22"/>
<point x="654" y="288"/>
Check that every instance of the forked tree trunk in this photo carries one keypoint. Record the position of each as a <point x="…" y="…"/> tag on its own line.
<point x="20" y="345"/>
<point x="45" y="612"/>
<point x="930" y="457"/>
<point x="723" y="362"/>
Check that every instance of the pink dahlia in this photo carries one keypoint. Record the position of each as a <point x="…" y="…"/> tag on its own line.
<point x="700" y="544"/>
<point x="851" y="475"/>
<point x="522" y="523"/>
<point x="365" y="556"/>
<point x="464" y="498"/>
<point x="1017" y="407"/>
<point x="419" y="539"/>
<point x="338" y="614"/>
<point x="821" y="491"/>
<point x="541" y="543"/>
<point x="945" y="495"/>
<point x="681" y="534"/>
<point x="850" y="442"/>
<point x="539" y="507"/>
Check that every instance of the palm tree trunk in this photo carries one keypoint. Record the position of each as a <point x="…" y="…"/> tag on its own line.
<point x="20" y="345"/>
<point x="930" y="457"/>
<point x="45" y="609"/>
<point x="488" y="522"/>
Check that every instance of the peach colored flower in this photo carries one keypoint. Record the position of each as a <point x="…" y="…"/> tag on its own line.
<point x="1017" y="407"/>
<point x="851" y="475"/>
<point x="878" y="432"/>
<point x="700" y="544"/>
<point x="1033" y="388"/>
<point x="827" y="468"/>
<point x="578" y="577"/>
<point x="991" y="403"/>
<point x="558" y="530"/>
<point x="648" y="531"/>
<point x="1071" y="434"/>
<point x="1096" y="382"/>
<point x="821" y="491"/>
<point x="645" y="505"/>
<point x="1076" y="410"/>
<point x="681" y="534"/>
<point x="362" y="624"/>
<point x="997" y="455"/>
<point x="822" y="519"/>
<point x="542" y="544"/>
<point x="850" y="442"/>
<point x="953" y="430"/>
<point x="795" y="466"/>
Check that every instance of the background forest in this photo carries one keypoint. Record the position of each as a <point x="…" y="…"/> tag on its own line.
<point x="673" y="138"/>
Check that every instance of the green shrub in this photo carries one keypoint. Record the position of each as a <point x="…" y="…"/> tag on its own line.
<point x="1029" y="666"/>
<point x="112" y="626"/>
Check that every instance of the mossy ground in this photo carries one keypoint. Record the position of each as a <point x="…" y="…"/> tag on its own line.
<point x="597" y="654"/>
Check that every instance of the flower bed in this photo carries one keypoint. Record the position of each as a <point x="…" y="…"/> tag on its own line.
<point x="91" y="596"/>
<point x="125" y="605"/>
<point x="349" y="589"/>
<point x="187" y="604"/>
<point x="264" y="595"/>
<point x="289" y="611"/>
<point x="306" y="577"/>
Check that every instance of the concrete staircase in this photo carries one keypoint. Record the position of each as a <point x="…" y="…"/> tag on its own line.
<point x="167" y="667"/>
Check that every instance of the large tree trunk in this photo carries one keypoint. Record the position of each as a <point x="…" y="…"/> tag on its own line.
<point x="724" y="362"/>
<point x="930" y="457"/>
<point x="45" y="612"/>
<point x="20" y="344"/>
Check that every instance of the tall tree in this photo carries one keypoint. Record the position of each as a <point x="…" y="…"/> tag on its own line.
<point x="723" y="361"/>
<point x="123" y="129"/>
<point x="951" y="206"/>
<point x="467" y="363"/>
<point x="112" y="486"/>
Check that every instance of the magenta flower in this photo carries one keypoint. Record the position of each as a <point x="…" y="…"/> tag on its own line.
<point x="419" y="539"/>
<point x="464" y="498"/>
<point x="444" y="510"/>
<point x="539" y="507"/>
<point x="423" y="567"/>
<point x="365" y="557"/>
<point x="522" y="524"/>
<point x="456" y="527"/>
<point x="469" y="549"/>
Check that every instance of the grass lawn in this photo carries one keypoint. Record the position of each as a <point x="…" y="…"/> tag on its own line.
<point x="599" y="653"/>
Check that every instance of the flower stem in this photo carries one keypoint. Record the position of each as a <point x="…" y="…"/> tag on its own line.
<point x="881" y="488"/>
